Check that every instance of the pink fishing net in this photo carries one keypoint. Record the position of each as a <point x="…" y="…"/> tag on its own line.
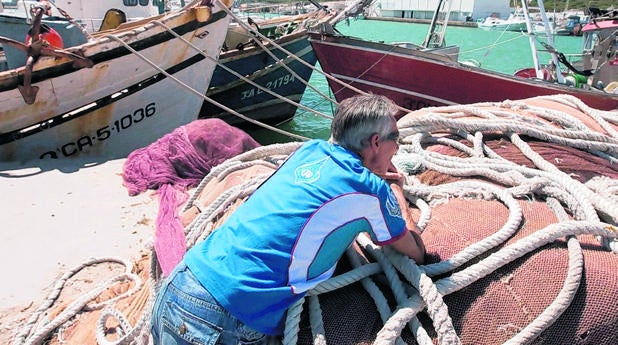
<point x="174" y="163"/>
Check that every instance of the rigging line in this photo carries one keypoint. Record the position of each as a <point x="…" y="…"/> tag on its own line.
<point x="239" y="76"/>
<point x="189" y="88"/>
<point x="344" y="84"/>
<point x="318" y="103"/>
<point x="326" y="75"/>
<point x="290" y="57"/>
<point x="72" y="20"/>
<point x="258" y="39"/>
<point x="495" y="44"/>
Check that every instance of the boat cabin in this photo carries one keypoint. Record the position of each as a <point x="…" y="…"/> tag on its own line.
<point x="600" y="46"/>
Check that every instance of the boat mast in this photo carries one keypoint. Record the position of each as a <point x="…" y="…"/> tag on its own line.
<point x="530" y="30"/>
<point x="433" y="39"/>
<point x="550" y="40"/>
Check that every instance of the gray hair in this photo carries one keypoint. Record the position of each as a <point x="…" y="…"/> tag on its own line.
<point x="359" y="117"/>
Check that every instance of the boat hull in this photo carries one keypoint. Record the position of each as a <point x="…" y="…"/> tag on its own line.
<point x="416" y="79"/>
<point x="122" y="102"/>
<point x="258" y="66"/>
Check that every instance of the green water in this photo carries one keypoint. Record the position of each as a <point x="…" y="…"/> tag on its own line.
<point x="504" y="52"/>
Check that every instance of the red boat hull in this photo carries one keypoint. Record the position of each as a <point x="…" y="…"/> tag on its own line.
<point x="415" y="79"/>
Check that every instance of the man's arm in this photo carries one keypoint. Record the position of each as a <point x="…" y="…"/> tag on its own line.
<point x="411" y="243"/>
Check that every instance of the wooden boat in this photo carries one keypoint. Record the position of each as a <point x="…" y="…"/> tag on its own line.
<point x="256" y="68"/>
<point x="512" y="198"/>
<point x="417" y="76"/>
<point x="600" y="48"/>
<point x="121" y="90"/>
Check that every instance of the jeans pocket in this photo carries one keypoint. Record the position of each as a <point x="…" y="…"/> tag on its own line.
<point x="183" y="327"/>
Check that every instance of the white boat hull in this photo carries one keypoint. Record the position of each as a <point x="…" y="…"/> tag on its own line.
<point x="121" y="103"/>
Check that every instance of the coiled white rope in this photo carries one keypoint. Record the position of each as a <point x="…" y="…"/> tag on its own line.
<point x="546" y="179"/>
<point x="43" y="328"/>
<point x="372" y="289"/>
<point x="461" y="279"/>
<point x="519" y="181"/>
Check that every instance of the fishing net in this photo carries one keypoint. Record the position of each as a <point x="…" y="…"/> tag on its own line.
<point x="486" y="179"/>
<point x="517" y="206"/>
<point x="174" y="163"/>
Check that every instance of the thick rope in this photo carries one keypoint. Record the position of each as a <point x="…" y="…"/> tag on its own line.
<point x="37" y="336"/>
<point x="461" y="279"/>
<point x="574" y="275"/>
<point x="373" y="290"/>
<point x="397" y="287"/>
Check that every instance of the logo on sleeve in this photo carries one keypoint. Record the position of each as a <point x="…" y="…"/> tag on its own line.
<point x="310" y="172"/>
<point x="392" y="206"/>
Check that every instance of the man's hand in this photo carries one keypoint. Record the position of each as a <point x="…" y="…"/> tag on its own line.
<point x="392" y="175"/>
<point x="411" y="243"/>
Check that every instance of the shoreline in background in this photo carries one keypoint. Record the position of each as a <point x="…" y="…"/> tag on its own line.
<point x="422" y="21"/>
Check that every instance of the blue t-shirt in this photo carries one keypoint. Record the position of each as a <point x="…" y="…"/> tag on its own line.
<point x="290" y="233"/>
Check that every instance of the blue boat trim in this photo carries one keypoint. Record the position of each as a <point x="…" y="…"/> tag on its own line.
<point x="249" y="100"/>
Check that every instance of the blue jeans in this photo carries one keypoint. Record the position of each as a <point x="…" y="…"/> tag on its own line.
<point x="185" y="313"/>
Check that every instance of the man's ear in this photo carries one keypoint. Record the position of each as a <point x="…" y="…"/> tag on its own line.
<point x="374" y="141"/>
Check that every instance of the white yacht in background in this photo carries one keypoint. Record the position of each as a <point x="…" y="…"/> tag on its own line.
<point x="515" y="22"/>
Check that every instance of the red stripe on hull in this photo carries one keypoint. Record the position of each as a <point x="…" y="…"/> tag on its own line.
<point x="416" y="82"/>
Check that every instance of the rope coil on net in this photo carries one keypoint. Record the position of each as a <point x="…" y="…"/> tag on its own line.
<point x="37" y="329"/>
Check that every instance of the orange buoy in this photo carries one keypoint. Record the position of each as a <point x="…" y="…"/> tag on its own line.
<point x="49" y="35"/>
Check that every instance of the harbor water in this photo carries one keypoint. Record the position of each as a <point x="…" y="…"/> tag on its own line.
<point x="501" y="51"/>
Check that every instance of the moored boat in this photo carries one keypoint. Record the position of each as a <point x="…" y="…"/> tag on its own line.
<point x="599" y="59"/>
<point x="121" y="90"/>
<point x="70" y="19"/>
<point x="271" y="65"/>
<point x="514" y="22"/>
<point x="91" y="16"/>
<point x="572" y="26"/>
<point x="416" y="76"/>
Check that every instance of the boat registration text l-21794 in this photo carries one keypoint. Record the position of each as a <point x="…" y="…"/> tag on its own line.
<point x="271" y="85"/>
